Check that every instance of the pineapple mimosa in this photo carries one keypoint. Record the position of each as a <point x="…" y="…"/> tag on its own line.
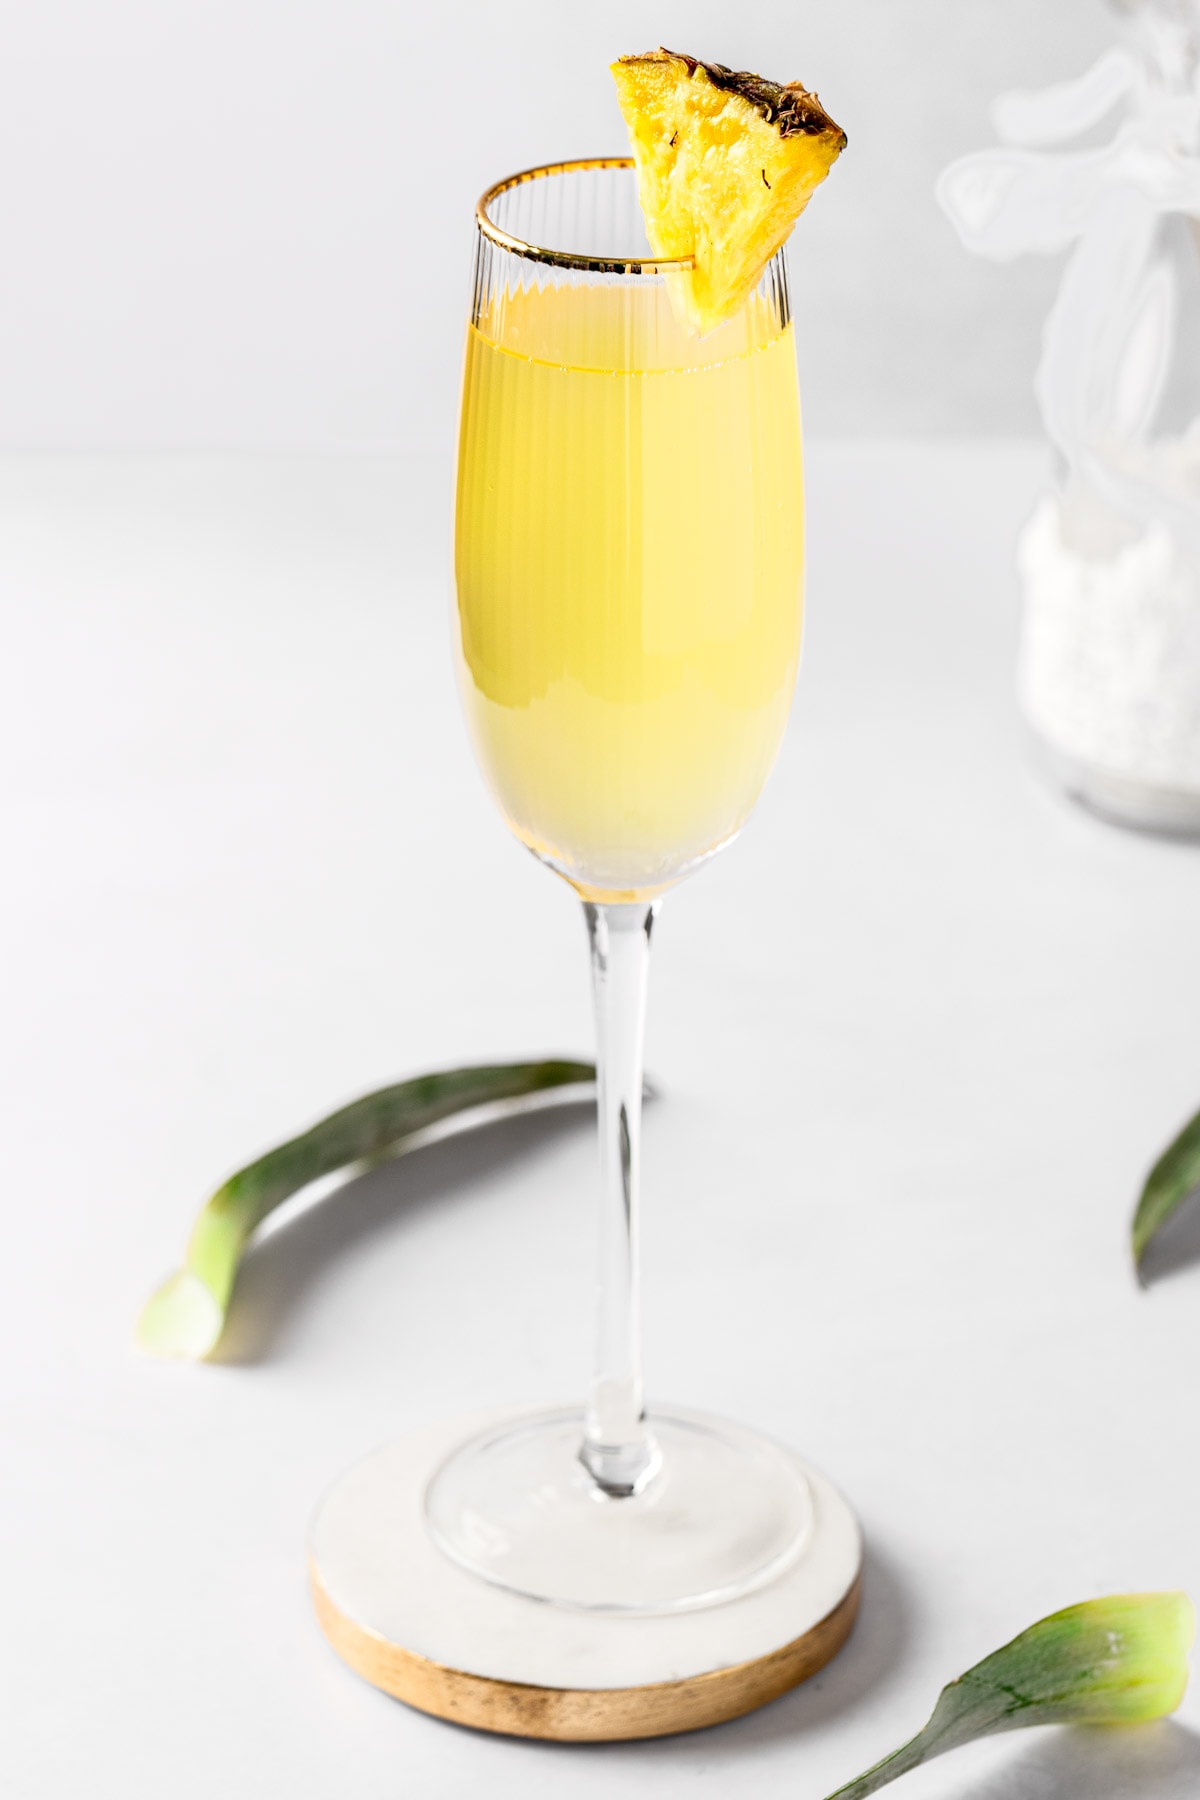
<point x="629" y="557"/>
<point x="629" y="561"/>
<point x="629" y="551"/>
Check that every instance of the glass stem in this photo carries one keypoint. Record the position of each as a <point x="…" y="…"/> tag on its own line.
<point x="618" y="1450"/>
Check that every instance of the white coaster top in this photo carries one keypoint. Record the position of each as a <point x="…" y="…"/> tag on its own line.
<point x="374" y="1557"/>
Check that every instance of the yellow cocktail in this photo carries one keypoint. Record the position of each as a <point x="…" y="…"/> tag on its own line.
<point x="629" y="556"/>
<point x="630" y="547"/>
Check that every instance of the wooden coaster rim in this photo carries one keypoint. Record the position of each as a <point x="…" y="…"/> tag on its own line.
<point x="582" y="1715"/>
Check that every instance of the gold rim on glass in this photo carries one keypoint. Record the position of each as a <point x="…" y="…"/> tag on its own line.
<point x="568" y="259"/>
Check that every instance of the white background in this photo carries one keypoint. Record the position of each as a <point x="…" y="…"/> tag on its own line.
<point x="246" y="223"/>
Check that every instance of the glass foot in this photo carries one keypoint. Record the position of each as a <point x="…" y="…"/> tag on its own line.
<point x="725" y="1513"/>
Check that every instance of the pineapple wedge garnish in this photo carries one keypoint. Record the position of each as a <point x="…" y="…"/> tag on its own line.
<point x="726" y="163"/>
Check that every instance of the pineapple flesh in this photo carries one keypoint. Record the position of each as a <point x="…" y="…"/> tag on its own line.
<point x="726" y="163"/>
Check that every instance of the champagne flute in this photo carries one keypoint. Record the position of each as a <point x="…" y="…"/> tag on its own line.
<point x="629" y="567"/>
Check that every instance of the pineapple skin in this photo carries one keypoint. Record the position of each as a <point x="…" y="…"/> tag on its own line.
<point x="726" y="163"/>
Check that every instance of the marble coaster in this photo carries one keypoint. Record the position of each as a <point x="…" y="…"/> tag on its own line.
<point x="412" y="1622"/>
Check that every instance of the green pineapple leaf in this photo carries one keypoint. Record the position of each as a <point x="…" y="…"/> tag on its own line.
<point x="1174" y="1177"/>
<point x="1108" y="1662"/>
<point x="186" y="1315"/>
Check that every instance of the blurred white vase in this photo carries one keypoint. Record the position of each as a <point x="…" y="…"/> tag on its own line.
<point x="1109" y="677"/>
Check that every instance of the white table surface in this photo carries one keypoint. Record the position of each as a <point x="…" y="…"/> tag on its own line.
<point x="917" y="1036"/>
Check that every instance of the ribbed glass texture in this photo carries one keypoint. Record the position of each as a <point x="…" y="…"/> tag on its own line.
<point x="629" y="543"/>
